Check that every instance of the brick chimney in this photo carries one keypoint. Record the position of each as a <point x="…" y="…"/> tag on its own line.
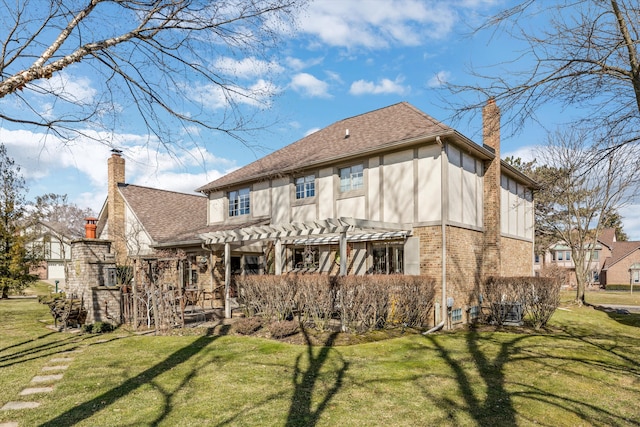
<point x="115" y="205"/>
<point x="491" y="263"/>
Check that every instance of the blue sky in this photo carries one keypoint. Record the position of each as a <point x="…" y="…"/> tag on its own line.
<point x="347" y="57"/>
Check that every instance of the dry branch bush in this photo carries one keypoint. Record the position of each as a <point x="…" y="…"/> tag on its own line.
<point x="316" y="299"/>
<point x="283" y="328"/>
<point x="248" y="325"/>
<point x="501" y="293"/>
<point x="363" y="302"/>
<point x="542" y="298"/>
<point x="413" y="298"/>
<point x="272" y="297"/>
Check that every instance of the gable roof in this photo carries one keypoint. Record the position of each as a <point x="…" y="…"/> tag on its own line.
<point x="620" y="251"/>
<point x="391" y="127"/>
<point x="163" y="213"/>
<point x="608" y="237"/>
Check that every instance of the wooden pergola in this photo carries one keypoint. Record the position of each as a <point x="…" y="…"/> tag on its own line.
<point x="340" y="230"/>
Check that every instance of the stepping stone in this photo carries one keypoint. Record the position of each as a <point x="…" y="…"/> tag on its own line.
<point x="62" y="359"/>
<point x="9" y="424"/>
<point x="46" y="378"/>
<point x="55" y="368"/>
<point x="35" y="390"/>
<point x="19" y="405"/>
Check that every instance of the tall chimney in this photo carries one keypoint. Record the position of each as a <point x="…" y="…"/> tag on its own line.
<point x="491" y="137"/>
<point x="115" y="205"/>
<point x="90" y="227"/>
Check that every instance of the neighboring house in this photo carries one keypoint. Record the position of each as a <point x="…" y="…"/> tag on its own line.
<point x="609" y="263"/>
<point x="389" y="191"/>
<point x="621" y="264"/>
<point x="53" y="248"/>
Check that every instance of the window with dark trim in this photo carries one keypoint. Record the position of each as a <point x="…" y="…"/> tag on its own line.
<point x="239" y="202"/>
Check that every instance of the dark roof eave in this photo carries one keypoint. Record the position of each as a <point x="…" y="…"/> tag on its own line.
<point x="515" y="173"/>
<point x="471" y="146"/>
<point x="178" y="244"/>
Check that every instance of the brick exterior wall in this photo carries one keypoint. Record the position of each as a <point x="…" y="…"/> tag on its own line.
<point x="517" y="257"/>
<point x="618" y="274"/>
<point x="491" y="137"/>
<point x="464" y="262"/>
<point x="116" y="169"/>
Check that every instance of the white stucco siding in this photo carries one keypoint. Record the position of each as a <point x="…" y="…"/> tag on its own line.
<point x="465" y="188"/>
<point x="429" y="192"/>
<point x="280" y="201"/>
<point x="137" y="239"/>
<point x="351" y="207"/>
<point x="303" y="213"/>
<point x="325" y="193"/>
<point x="516" y="209"/>
<point x="398" y="187"/>
<point x="260" y="199"/>
<point x="373" y="189"/>
<point x="216" y="207"/>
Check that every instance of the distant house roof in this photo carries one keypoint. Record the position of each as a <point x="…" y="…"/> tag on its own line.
<point x="395" y="126"/>
<point x="620" y="251"/>
<point x="607" y="237"/>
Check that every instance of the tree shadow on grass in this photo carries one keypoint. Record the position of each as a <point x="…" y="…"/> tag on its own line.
<point x="44" y="349"/>
<point x="87" y="409"/>
<point x="301" y="410"/>
<point x="496" y="408"/>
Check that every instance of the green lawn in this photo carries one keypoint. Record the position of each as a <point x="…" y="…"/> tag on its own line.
<point x="585" y="371"/>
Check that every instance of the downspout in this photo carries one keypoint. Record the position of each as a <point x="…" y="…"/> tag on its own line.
<point x="444" y="215"/>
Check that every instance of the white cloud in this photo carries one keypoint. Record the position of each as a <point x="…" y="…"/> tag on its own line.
<point x="297" y="64"/>
<point x="309" y="85"/>
<point x="72" y="88"/>
<point x="378" y="24"/>
<point x="310" y="131"/>
<point x="383" y="87"/>
<point x="247" y="67"/>
<point x="439" y="79"/>
<point x="214" y="97"/>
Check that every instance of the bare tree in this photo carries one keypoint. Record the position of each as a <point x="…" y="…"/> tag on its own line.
<point x="579" y="196"/>
<point x="579" y="54"/>
<point x="162" y="61"/>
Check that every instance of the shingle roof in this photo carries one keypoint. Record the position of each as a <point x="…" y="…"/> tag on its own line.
<point x="620" y="250"/>
<point x="607" y="237"/>
<point x="378" y="129"/>
<point x="164" y="213"/>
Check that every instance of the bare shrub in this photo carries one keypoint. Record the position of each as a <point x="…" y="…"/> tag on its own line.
<point x="363" y="302"/>
<point x="315" y="299"/>
<point x="412" y="299"/>
<point x="272" y="297"/>
<point x="541" y="299"/>
<point x="248" y="325"/>
<point x="502" y="294"/>
<point x="283" y="328"/>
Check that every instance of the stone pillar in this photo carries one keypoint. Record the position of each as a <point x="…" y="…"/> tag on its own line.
<point x="491" y="138"/>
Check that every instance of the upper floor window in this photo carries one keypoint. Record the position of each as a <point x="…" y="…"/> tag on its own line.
<point x="351" y="178"/>
<point x="239" y="202"/>
<point x="306" y="187"/>
<point x="567" y="256"/>
<point x="559" y="255"/>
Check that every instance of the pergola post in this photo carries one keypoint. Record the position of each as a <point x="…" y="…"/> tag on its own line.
<point x="227" y="280"/>
<point x="278" y="257"/>
<point x="343" y="253"/>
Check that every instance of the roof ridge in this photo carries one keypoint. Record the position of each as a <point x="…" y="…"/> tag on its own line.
<point x="125" y="185"/>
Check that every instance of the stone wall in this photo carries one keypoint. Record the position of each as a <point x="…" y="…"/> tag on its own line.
<point x="88" y="276"/>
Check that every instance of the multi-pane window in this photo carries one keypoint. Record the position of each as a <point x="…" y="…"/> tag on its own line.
<point x="388" y="258"/>
<point x="567" y="256"/>
<point x="239" y="202"/>
<point x="559" y="255"/>
<point x="351" y="178"/>
<point x="305" y="187"/>
<point x="456" y="315"/>
<point x="474" y="312"/>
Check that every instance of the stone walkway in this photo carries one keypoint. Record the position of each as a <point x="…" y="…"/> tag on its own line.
<point x="41" y="384"/>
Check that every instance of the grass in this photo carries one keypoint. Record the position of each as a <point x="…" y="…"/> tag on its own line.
<point x="584" y="370"/>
